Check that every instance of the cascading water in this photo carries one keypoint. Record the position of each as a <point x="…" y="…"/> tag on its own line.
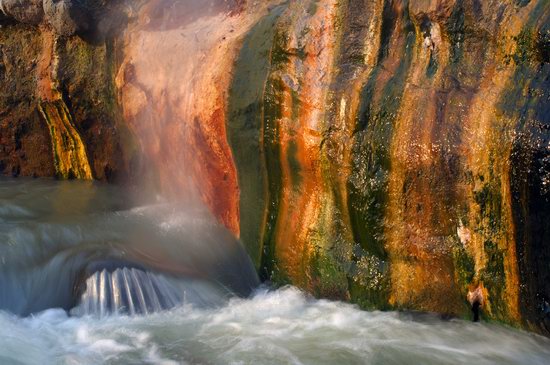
<point x="77" y="246"/>
<point x="132" y="291"/>
<point x="129" y="291"/>
<point x="177" y="65"/>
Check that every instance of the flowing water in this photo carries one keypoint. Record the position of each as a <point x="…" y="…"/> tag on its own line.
<point x="87" y="278"/>
<point x="79" y="246"/>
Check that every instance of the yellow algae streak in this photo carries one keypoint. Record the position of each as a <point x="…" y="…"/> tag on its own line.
<point x="69" y="152"/>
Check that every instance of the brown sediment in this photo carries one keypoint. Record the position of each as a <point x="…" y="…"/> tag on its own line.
<point x="25" y="148"/>
<point x="43" y="72"/>
<point x="429" y="190"/>
<point x="45" y="85"/>
<point x="419" y="215"/>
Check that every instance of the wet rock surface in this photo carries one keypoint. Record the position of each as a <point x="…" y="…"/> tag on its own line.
<point x="69" y="17"/>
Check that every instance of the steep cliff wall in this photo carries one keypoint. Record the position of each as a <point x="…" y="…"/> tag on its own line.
<point x="404" y="146"/>
<point x="392" y="153"/>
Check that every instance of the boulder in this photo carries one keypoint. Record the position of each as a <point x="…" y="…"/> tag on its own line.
<point x="24" y="11"/>
<point x="66" y="17"/>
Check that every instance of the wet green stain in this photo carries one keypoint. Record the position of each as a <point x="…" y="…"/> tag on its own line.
<point x="251" y="96"/>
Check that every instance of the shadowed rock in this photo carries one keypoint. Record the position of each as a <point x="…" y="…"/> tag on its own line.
<point x="24" y="11"/>
<point x="66" y="17"/>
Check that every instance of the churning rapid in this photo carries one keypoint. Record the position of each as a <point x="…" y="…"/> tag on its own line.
<point x="88" y="279"/>
<point x="281" y="327"/>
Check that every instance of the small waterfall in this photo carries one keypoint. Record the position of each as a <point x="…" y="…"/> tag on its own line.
<point x="128" y="291"/>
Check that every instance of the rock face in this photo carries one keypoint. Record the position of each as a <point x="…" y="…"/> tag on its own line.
<point x="405" y="150"/>
<point x="68" y="17"/>
<point x="392" y="153"/>
<point x="58" y="110"/>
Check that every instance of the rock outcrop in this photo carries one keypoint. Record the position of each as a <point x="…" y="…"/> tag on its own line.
<point x="392" y="153"/>
<point x="66" y="17"/>
<point x="58" y="110"/>
<point x="24" y="11"/>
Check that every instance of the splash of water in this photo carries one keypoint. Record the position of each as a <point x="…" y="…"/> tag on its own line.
<point x="75" y="244"/>
<point x="177" y="65"/>
<point x="132" y="292"/>
<point x="129" y="291"/>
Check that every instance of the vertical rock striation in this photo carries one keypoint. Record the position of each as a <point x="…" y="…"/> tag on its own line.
<point x="404" y="145"/>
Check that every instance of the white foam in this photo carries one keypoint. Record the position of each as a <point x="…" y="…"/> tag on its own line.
<point x="279" y="327"/>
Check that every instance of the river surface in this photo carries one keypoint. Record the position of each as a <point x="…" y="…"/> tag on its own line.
<point x="47" y="226"/>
